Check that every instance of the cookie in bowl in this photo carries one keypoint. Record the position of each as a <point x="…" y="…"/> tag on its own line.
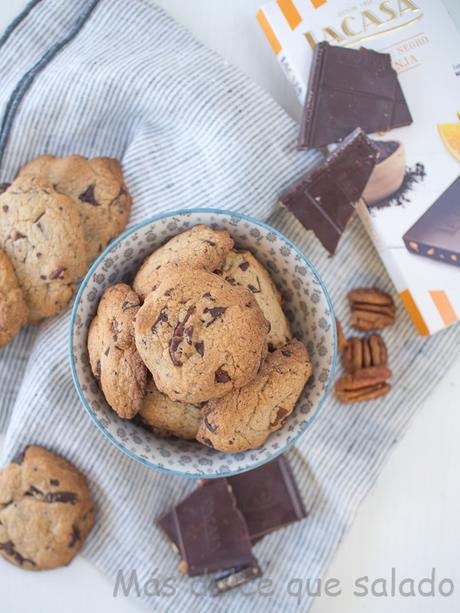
<point x="114" y="360"/>
<point x="244" y="418"/>
<point x="199" y="336"/>
<point x="167" y="417"/>
<point x="241" y="268"/>
<point x="199" y="247"/>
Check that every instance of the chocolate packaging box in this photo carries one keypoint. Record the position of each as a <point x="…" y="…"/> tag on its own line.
<point x="411" y="208"/>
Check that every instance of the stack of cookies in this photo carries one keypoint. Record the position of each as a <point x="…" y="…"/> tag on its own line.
<point x="55" y="218"/>
<point x="199" y="347"/>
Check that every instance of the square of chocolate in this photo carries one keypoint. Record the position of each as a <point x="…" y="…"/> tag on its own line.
<point x="268" y="498"/>
<point x="209" y="531"/>
<point x="325" y="199"/>
<point x="347" y="89"/>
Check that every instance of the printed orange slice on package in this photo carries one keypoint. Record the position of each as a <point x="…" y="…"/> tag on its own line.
<point x="450" y="134"/>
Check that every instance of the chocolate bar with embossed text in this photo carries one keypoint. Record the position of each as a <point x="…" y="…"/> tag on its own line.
<point x="347" y="89"/>
<point x="209" y="531"/>
<point x="436" y="234"/>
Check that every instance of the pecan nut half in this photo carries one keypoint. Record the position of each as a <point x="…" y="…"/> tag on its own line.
<point x="341" y="340"/>
<point x="364" y="352"/>
<point x="364" y="384"/>
<point x="371" y="309"/>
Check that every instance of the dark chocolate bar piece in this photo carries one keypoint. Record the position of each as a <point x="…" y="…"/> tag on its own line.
<point x="268" y="498"/>
<point x="237" y="577"/>
<point x="209" y="530"/>
<point x="350" y="88"/>
<point x="437" y="233"/>
<point x="168" y="524"/>
<point x="325" y="199"/>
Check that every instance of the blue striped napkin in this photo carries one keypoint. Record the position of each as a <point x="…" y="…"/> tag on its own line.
<point x="121" y="78"/>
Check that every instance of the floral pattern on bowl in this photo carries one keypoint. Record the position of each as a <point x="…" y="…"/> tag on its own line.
<point x="307" y="306"/>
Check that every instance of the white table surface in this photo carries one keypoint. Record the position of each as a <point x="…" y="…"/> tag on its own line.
<point x="411" y="520"/>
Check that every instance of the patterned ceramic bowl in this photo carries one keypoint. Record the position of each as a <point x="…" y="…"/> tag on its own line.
<point x="308" y="307"/>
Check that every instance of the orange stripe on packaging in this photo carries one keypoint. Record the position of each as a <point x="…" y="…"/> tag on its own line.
<point x="290" y="12"/>
<point x="414" y="313"/>
<point x="271" y="36"/>
<point x="318" y="3"/>
<point x="444" y="307"/>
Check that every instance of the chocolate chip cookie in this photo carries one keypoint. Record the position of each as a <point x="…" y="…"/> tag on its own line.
<point x="46" y="510"/>
<point x="112" y="351"/>
<point x="168" y="418"/>
<point x="242" y="268"/>
<point x="200" y="247"/>
<point x="199" y="336"/>
<point x="97" y="188"/>
<point x="244" y="418"/>
<point x="42" y="233"/>
<point x="13" y="308"/>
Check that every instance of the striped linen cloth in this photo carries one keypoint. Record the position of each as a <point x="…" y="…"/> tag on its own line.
<point x="121" y="78"/>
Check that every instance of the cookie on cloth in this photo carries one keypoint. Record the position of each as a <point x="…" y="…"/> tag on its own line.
<point x="242" y="268"/>
<point x="42" y="233"/>
<point x="199" y="336"/>
<point x="46" y="510"/>
<point x="168" y="418"/>
<point x="98" y="189"/>
<point x="245" y="418"/>
<point x="13" y="308"/>
<point x="114" y="359"/>
<point x="200" y="247"/>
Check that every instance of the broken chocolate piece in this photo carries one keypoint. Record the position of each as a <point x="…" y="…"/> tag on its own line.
<point x="268" y="497"/>
<point x="168" y="525"/>
<point x="347" y="89"/>
<point x="58" y="273"/>
<point x="209" y="530"/>
<point x="162" y="318"/>
<point x="222" y="376"/>
<point x="215" y="312"/>
<point x="199" y="346"/>
<point x="178" y="337"/>
<point x="325" y="199"/>
<point x="129" y="305"/>
<point x="74" y="537"/>
<point x="89" y="196"/>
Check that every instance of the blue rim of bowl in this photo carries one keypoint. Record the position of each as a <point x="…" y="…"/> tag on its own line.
<point x="177" y="473"/>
